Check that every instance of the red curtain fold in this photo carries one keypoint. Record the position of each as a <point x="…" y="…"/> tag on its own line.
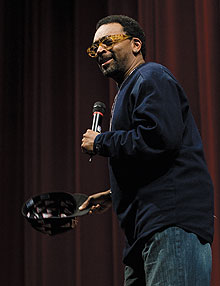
<point x="208" y="57"/>
<point x="47" y="89"/>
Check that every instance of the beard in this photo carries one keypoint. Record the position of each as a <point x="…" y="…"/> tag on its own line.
<point x="114" y="69"/>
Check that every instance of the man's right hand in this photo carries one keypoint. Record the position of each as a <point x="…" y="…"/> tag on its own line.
<point x="98" y="203"/>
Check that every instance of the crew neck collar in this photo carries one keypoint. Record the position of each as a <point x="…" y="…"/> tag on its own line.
<point x="128" y="76"/>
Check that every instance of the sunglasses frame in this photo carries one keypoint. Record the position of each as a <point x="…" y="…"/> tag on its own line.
<point x="92" y="51"/>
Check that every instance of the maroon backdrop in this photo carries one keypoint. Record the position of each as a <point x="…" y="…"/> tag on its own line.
<point x="47" y="88"/>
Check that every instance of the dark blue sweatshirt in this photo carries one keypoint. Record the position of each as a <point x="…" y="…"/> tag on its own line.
<point x="158" y="173"/>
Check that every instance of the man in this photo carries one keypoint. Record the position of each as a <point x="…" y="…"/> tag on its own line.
<point x="161" y="190"/>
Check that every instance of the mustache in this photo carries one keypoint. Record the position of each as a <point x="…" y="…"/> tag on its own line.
<point x="104" y="58"/>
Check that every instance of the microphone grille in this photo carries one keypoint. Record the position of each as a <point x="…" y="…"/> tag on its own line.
<point x="99" y="106"/>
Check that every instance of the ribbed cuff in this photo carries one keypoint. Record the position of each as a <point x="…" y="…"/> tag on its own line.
<point x="97" y="146"/>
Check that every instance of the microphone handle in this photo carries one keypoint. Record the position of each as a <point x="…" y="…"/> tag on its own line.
<point x="90" y="159"/>
<point x="96" y="126"/>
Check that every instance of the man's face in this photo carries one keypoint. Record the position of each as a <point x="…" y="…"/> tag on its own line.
<point x="116" y="61"/>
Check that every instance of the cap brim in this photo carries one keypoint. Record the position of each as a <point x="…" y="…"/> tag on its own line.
<point x="80" y="199"/>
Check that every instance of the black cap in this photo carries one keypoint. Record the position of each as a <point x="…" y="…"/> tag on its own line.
<point x="53" y="213"/>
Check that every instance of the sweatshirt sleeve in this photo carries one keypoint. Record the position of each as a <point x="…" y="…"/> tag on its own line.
<point x="157" y="121"/>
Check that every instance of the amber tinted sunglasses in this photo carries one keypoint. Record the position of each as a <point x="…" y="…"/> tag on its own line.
<point x="106" y="42"/>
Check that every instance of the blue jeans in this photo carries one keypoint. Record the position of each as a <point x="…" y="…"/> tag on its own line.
<point x="172" y="257"/>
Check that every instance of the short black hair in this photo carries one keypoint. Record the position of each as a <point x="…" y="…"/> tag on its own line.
<point x="130" y="26"/>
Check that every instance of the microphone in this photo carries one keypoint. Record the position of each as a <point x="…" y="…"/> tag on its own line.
<point x="98" y="113"/>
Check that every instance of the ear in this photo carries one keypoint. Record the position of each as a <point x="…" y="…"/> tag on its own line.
<point x="136" y="45"/>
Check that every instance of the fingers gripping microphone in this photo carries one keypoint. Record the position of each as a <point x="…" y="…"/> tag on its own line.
<point x="98" y="113"/>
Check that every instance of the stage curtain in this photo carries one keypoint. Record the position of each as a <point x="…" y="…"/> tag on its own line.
<point x="48" y="86"/>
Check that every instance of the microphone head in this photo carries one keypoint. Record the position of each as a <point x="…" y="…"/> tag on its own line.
<point x="99" y="106"/>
